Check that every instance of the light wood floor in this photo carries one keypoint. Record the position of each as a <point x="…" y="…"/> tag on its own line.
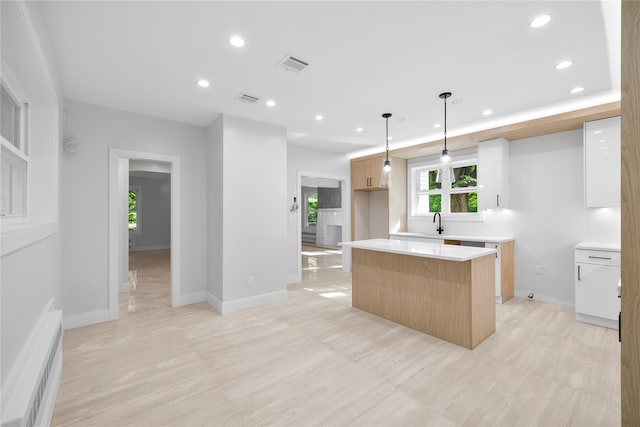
<point x="315" y="360"/>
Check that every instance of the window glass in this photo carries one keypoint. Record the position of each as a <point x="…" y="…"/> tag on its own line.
<point x="10" y="122"/>
<point x="465" y="176"/>
<point x="133" y="210"/>
<point x="312" y="209"/>
<point x="464" y="202"/>
<point x="450" y="190"/>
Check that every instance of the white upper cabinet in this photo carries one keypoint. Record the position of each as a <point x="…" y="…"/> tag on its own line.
<point x="493" y="174"/>
<point x="602" y="163"/>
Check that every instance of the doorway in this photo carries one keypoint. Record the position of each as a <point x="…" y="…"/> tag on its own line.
<point x="149" y="226"/>
<point x="124" y="216"/>
<point x="323" y="222"/>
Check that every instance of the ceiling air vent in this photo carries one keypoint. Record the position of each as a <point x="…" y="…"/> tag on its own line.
<point x="249" y="99"/>
<point x="291" y="63"/>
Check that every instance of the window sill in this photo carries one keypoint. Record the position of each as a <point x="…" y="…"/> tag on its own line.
<point x="477" y="217"/>
<point x="16" y="236"/>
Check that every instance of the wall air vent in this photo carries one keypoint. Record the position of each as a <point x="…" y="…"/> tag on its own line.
<point x="249" y="99"/>
<point x="291" y="63"/>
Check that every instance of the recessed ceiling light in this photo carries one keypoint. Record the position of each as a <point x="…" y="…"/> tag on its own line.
<point x="437" y="125"/>
<point x="564" y="64"/>
<point x="359" y="129"/>
<point x="577" y="89"/>
<point x="271" y="103"/>
<point x="203" y="83"/>
<point x="487" y="112"/>
<point x="319" y="117"/>
<point x="236" y="41"/>
<point x="540" y="21"/>
<point x="597" y="132"/>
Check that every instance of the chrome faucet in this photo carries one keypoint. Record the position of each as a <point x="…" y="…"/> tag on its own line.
<point x="439" y="229"/>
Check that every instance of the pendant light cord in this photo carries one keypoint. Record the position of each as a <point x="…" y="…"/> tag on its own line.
<point x="387" y="125"/>
<point x="445" y="122"/>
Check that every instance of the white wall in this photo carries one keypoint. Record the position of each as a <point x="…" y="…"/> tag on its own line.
<point x="254" y="205"/>
<point x="246" y="204"/>
<point x="214" y="136"/>
<point x="154" y="213"/>
<point x="547" y="215"/>
<point x="84" y="195"/>
<point x="307" y="160"/>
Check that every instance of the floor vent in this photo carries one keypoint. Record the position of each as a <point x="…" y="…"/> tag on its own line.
<point x="291" y="63"/>
<point x="249" y="99"/>
<point x="34" y="410"/>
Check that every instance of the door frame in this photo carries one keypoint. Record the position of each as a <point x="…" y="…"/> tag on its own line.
<point x="116" y="246"/>
<point x="346" y="208"/>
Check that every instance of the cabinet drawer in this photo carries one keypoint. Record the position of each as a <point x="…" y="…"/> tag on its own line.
<point x="598" y="257"/>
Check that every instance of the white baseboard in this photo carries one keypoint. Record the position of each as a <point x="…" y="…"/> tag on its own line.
<point x="543" y="298"/>
<point x="605" y="323"/>
<point x="293" y="278"/>
<point x="191" y="298"/>
<point x="245" y="303"/>
<point x="214" y="302"/>
<point x="84" y="319"/>
<point x="149" y="248"/>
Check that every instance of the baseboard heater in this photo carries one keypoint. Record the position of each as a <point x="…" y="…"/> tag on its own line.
<point x="32" y="391"/>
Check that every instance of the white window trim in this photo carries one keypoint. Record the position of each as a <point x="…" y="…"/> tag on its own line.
<point x="138" y="191"/>
<point x="433" y="163"/>
<point x="22" y="152"/>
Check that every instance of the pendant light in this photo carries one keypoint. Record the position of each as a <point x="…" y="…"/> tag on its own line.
<point x="386" y="166"/>
<point x="445" y="158"/>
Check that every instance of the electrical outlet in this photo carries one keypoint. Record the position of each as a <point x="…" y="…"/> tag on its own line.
<point x="539" y="270"/>
<point x="251" y="281"/>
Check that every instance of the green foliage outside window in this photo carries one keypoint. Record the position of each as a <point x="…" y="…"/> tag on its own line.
<point x="312" y="209"/>
<point x="465" y="176"/>
<point x="133" y="210"/>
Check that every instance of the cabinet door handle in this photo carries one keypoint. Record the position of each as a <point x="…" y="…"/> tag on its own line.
<point x="578" y="273"/>
<point x="496" y="251"/>
<point x="619" y="327"/>
<point x="599" y="257"/>
<point x="497" y="200"/>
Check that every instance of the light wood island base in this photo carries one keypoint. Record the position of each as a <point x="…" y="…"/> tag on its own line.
<point x="450" y="300"/>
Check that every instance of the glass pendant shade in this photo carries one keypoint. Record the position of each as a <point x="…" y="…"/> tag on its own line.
<point x="385" y="177"/>
<point x="446" y="157"/>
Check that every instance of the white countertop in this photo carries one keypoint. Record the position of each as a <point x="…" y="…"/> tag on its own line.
<point x="611" y="247"/>
<point x="490" y="239"/>
<point x="422" y="249"/>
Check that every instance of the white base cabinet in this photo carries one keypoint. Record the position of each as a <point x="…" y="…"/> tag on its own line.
<point x="597" y="274"/>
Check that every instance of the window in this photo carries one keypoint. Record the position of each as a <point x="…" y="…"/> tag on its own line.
<point x="448" y="189"/>
<point x="312" y="209"/>
<point x="134" y="203"/>
<point x="15" y="154"/>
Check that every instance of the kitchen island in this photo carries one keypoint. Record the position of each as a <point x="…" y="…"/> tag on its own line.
<point x="446" y="291"/>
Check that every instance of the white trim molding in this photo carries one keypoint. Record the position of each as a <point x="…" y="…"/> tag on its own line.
<point x="245" y="303"/>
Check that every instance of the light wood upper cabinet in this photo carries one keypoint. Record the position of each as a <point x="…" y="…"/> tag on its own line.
<point x="493" y="174"/>
<point x="602" y="163"/>
<point x="365" y="173"/>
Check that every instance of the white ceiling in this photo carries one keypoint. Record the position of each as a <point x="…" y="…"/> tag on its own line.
<point x="366" y="58"/>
